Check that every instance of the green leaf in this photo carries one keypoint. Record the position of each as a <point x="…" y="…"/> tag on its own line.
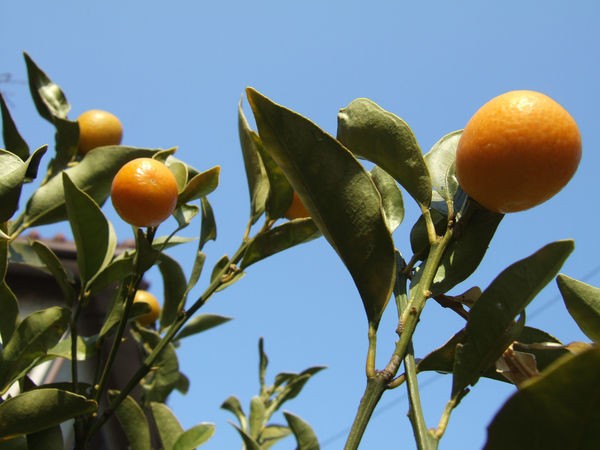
<point x="116" y="271"/>
<point x="378" y="135"/>
<point x="556" y="410"/>
<point x="256" y="174"/>
<point x="39" y="409"/>
<point x="304" y="434"/>
<point x="273" y="434"/>
<point x="280" y="191"/>
<point x="13" y="173"/>
<point x="93" y="175"/>
<point x="194" y="276"/>
<point x="339" y="195"/>
<point x="467" y="249"/>
<point x="168" y="426"/>
<point x="133" y="421"/>
<point x="263" y="362"/>
<point x="293" y="385"/>
<point x="86" y="347"/>
<point x="257" y="417"/>
<point x="174" y="284"/>
<point x="37" y="333"/>
<point x="67" y="142"/>
<point x="200" y="185"/>
<point x="10" y="311"/>
<point x="391" y="196"/>
<point x="94" y="235"/>
<point x="13" y="141"/>
<point x="249" y="443"/>
<point x="419" y="241"/>
<point x="48" y="439"/>
<point x="194" y="437"/>
<point x="49" y="99"/>
<point x="184" y="214"/>
<point x="201" y="323"/>
<point x="488" y="331"/>
<point x="440" y="163"/>
<point x="208" y="230"/>
<point x="233" y="405"/>
<point x="280" y="238"/>
<point x="583" y="303"/>
<point x="65" y="281"/>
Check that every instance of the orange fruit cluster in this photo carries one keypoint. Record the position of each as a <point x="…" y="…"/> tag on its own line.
<point x="517" y="151"/>
<point x="144" y="192"/>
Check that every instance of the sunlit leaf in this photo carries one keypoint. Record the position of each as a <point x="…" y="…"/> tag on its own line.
<point x="249" y="443"/>
<point x="257" y="416"/>
<point x="378" y="135"/>
<point x="278" y="239"/>
<point x="440" y="163"/>
<point x="339" y="195"/>
<point x="133" y="422"/>
<point x="184" y="214"/>
<point x="194" y="437"/>
<point x="556" y="410"/>
<point x="583" y="303"/>
<point x="233" y="405"/>
<point x="304" y="434"/>
<point x="48" y="97"/>
<point x="294" y="383"/>
<point x="168" y="426"/>
<point x="32" y="338"/>
<point x="208" y="230"/>
<point x="201" y="323"/>
<point x="256" y="175"/>
<point x="93" y="234"/>
<point x="174" y="287"/>
<point x="201" y="185"/>
<point x="273" y="434"/>
<point x="391" y="197"/>
<point x="39" y="409"/>
<point x="67" y="141"/>
<point x="488" y="331"/>
<point x="12" y="139"/>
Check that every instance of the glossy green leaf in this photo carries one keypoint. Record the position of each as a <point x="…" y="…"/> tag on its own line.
<point x="194" y="276"/>
<point x="174" y="287"/>
<point x="233" y="405"/>
<point x="195" y="436"/>
<point x="280" y="191"/>
<point x="64" y="280"/>
<point x="208" y="230"/>
<point x="86" y="348"/>
<point x="378" y="135"/>
<point x="116" y="310"/>
<point x="169" y="428"/>
<point x="391" y="197"/>
<point x="114" y="272"/>
<point x="583" y="303"/>
<point x="440" y="163"/>
<point x="13" y="173"/>
<point x="256" y="174"/>
<point x="32" y="338"/>
<point x="249" y="443"/>
<point x="556" y="410"/>
<point x="339" y="195"/>
<point x="488" y="331"/>
<point x="48" y="439"/>
<point x="278" y="239"/>
<point x="10" y="311"/>
<point x="221" y="264"/>
<point x="304" y="434"/>
<point x="201" y="185"/>
<point x="93" y="234"/>
<point x="184" y="214"/>
<point x="12" y="139"/>
<point x="39" y="409"/>
<point x="93" y="175"/>
<point x="48" y="97"/>
<point x="257" y="417"/>
<point x="180" y="171"/>
<point x="67" y="142"/>
<point x="201" y="323"/>
<point x="470" y="242"/>
<point x="133" y="421"/>
<point x="273" y="434"/>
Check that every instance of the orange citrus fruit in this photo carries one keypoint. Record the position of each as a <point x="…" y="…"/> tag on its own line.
<point x="98" y="128"/>
<point x="144" y="192"/>
<point x="517" y="151"/>
<point x="150" y="317"/>
<point x="297" y="210"/>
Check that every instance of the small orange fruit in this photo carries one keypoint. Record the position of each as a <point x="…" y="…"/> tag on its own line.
<point x="98" y="128"/>
<point x="297" y="210"/>
<point x="517" y="151"/>
<point x="150" y="317"/>
<point x="144" y="192"/>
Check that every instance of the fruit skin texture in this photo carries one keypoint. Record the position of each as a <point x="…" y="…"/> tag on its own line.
<point x="517" y="151"/>
<point x="297" y="210"/>
<point x="144" y="192"/>
<point x="98" y="128"/>
<point x="150" y="317"/>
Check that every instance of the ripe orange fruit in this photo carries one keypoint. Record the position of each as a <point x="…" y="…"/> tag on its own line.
<point x="297" y="210"/>
<point x="98" y="128"/>
<point x="150" y="317"/>
<point x="517" y="151"/>
<point x="144" y="192"/>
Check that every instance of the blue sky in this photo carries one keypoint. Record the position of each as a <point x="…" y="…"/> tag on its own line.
<point x="174" y="75"/>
